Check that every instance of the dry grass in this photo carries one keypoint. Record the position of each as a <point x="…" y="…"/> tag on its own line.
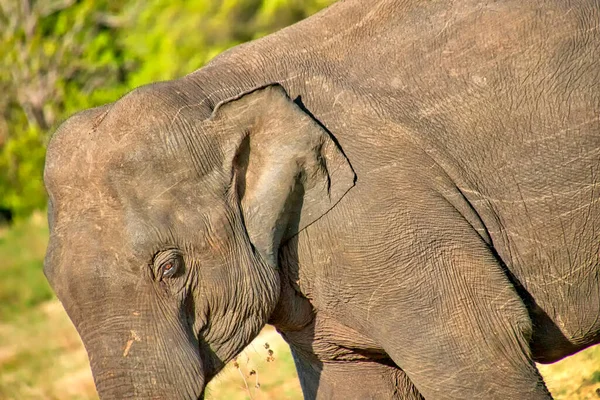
<point x="276" y="378"/>
<point x="41" y="357"/>
<point x="576" y="377"/>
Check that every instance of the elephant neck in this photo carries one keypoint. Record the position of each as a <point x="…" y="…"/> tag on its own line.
<point x="293" y="311"/>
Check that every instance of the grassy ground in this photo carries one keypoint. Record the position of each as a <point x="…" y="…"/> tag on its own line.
<point x="41" y="356"/>
<point x="22" y="285"/>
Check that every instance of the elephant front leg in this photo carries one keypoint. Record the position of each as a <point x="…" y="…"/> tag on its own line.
<point x="338" y="380"/>
<point x="456" y="325"/>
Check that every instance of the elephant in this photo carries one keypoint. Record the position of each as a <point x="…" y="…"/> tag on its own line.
<point x="406" y="190"/>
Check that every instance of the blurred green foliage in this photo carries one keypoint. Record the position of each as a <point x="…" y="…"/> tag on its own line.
<point x="61" y="56"/>
<point x="23" y="284"/>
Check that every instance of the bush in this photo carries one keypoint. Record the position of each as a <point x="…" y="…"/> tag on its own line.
<point x="21" y="160"/>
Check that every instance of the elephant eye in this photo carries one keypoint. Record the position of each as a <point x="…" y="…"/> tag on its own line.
<point x="167" y="263"/>
<point x="169" y="269"/>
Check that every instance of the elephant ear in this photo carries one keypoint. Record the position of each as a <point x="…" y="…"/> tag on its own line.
<point x="288" y="171"/>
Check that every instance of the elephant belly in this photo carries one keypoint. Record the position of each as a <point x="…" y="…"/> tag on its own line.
<point x="567" y="322"/>
<point x="558" y="266"/>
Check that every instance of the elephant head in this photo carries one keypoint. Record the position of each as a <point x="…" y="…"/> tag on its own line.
<point x="166" y="219"/>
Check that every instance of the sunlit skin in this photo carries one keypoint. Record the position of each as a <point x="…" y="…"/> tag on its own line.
<point x="406" y="190"/>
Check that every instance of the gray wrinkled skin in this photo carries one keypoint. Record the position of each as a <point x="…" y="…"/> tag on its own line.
<point x="408" y="190"/>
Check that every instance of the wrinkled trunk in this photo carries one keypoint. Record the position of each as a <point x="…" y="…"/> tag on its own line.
<point x="136" y="357"/>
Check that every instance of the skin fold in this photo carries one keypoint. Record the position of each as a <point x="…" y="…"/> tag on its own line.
<point x="407" y="190"/>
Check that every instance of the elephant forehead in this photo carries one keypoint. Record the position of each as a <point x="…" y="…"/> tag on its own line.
<point x="143" y="110"/>
<point x="131" y="177"/>
<point x="141" y="139"/>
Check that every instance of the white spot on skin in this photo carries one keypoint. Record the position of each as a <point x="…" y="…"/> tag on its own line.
<point x="479" y="80"/>
<point x="134" y="338"/>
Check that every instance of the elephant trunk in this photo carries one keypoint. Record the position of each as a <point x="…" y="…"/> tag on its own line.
<point x="144" y="361"/>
